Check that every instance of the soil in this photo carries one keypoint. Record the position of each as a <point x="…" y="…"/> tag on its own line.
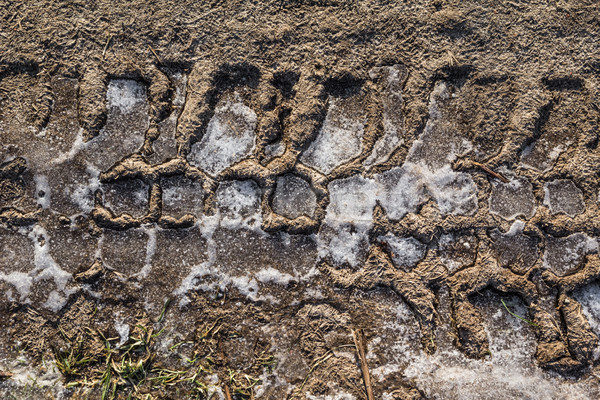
<point x="522" y="84"/>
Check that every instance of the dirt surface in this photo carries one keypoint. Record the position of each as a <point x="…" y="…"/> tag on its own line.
<point x="299" y="199"/>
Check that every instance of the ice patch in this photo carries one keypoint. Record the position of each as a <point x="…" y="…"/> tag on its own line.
<point x="83" y="194"/>
<point x="243" y="259"/>
<point x="182" y="196"/>
<point x="516" y="228"/>
<point x="45" y="266"/>
<point x="246" y="285"/>
<point x="239" y="204"/>
<point x="274" y="150"/>
<point x="125" y="94"/>
<point x="543" y="153"/>
<point x="126" y="124"/>
<point x="228" y="139"/>
<point x="393" y="119"/>
<point x="454" y="192"/>
<point x="564" y="255"/>
<point x="561" y="195"/>
<point x="42" y="190"/>
<point x="514" y="249"/>
<point x="440" y="376"/>
<point x="127" y="197"/>
<point x="123" y="331"/>
<point x="150" y="250"/>
<point x="440" y="142"/>
<point x="29" y="378"/>
<point x="294" y="197"/>
<point x="207" y="225"/>
<point x="400" y="190"/>
<point x="271" y="275"/>
<point x="78" y="145"/>
<point x="406" y="252"/>
<point x="510" y="372"/>
<point x="345" y="243"/>
<point x="348" y="219"/>
<point x="339" y="141"/>
<point x="513" y="199"/>
<point x="432" y="154"/>
<point x="55" y="301"/>
<point x="21" y="281"/>
<point x="352" y="201"/>
<point x="589" y="297"/>
<point x="457" y="251"/>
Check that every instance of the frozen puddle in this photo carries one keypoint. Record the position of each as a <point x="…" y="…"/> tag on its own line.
<point x="406" y="252"/>
<point x="562" y="196"/>
<point x="280" y="288"/>
<point x="182" y="196"/>
<point x="340" y="139"/>
<point x="432" y="154"/>
<point x="589" y="298"/>
<point x="564" y="255"/>
<point x="555" y="138"/>
<point x="294" y="197"/>
<point x="239" y="203"/>
<point x="427" y="173"/>
<point x="229" y="137"/>
<point x="509" y="373"/>
<point x="457" y="252"/>
<point x="513" y="199"/>
<point x="126" y="123"/>
<point x="514" y="249"/>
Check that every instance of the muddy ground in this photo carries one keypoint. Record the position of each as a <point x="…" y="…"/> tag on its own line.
<point x="299" y="199"/>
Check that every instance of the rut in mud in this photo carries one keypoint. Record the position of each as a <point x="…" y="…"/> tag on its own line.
<point x="215" y="201"/>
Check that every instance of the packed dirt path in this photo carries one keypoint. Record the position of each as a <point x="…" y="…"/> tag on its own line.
<point x="299" y="199"/>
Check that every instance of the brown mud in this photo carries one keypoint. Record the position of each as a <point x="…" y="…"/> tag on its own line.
<point x="524" y="92"/>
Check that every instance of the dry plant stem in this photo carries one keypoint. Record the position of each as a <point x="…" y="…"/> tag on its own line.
<point x="155" y="55"/>
<point x="227" y="393"/>
<point x="106" y="46"/>
<point x="359" y="341"/>
<point x="222" y="354"/>
<point x="5" y="375"/>
<point x="489" y="171"/>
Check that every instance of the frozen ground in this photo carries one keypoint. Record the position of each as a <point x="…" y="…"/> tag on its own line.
<point x="230" y="227"/>
<point x="226" y="250"/>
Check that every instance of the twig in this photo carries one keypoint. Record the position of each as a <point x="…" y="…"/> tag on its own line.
<point x="106" y="45"/>
<point x="155" y="55"/>
<point x="359" y="342"/>
<point x="227" y="393"/>
<point x="489" y="171"/>
<point x="221" y="353"/>
<point x="5" y="375"/>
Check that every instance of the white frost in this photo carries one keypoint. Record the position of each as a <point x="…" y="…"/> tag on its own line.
<point x="228" y="139"/>
<point x="42" y="190"/>
<point x="125" y="94"/>
<point x="339" y="141"/>
<point x="406" y="252"/>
